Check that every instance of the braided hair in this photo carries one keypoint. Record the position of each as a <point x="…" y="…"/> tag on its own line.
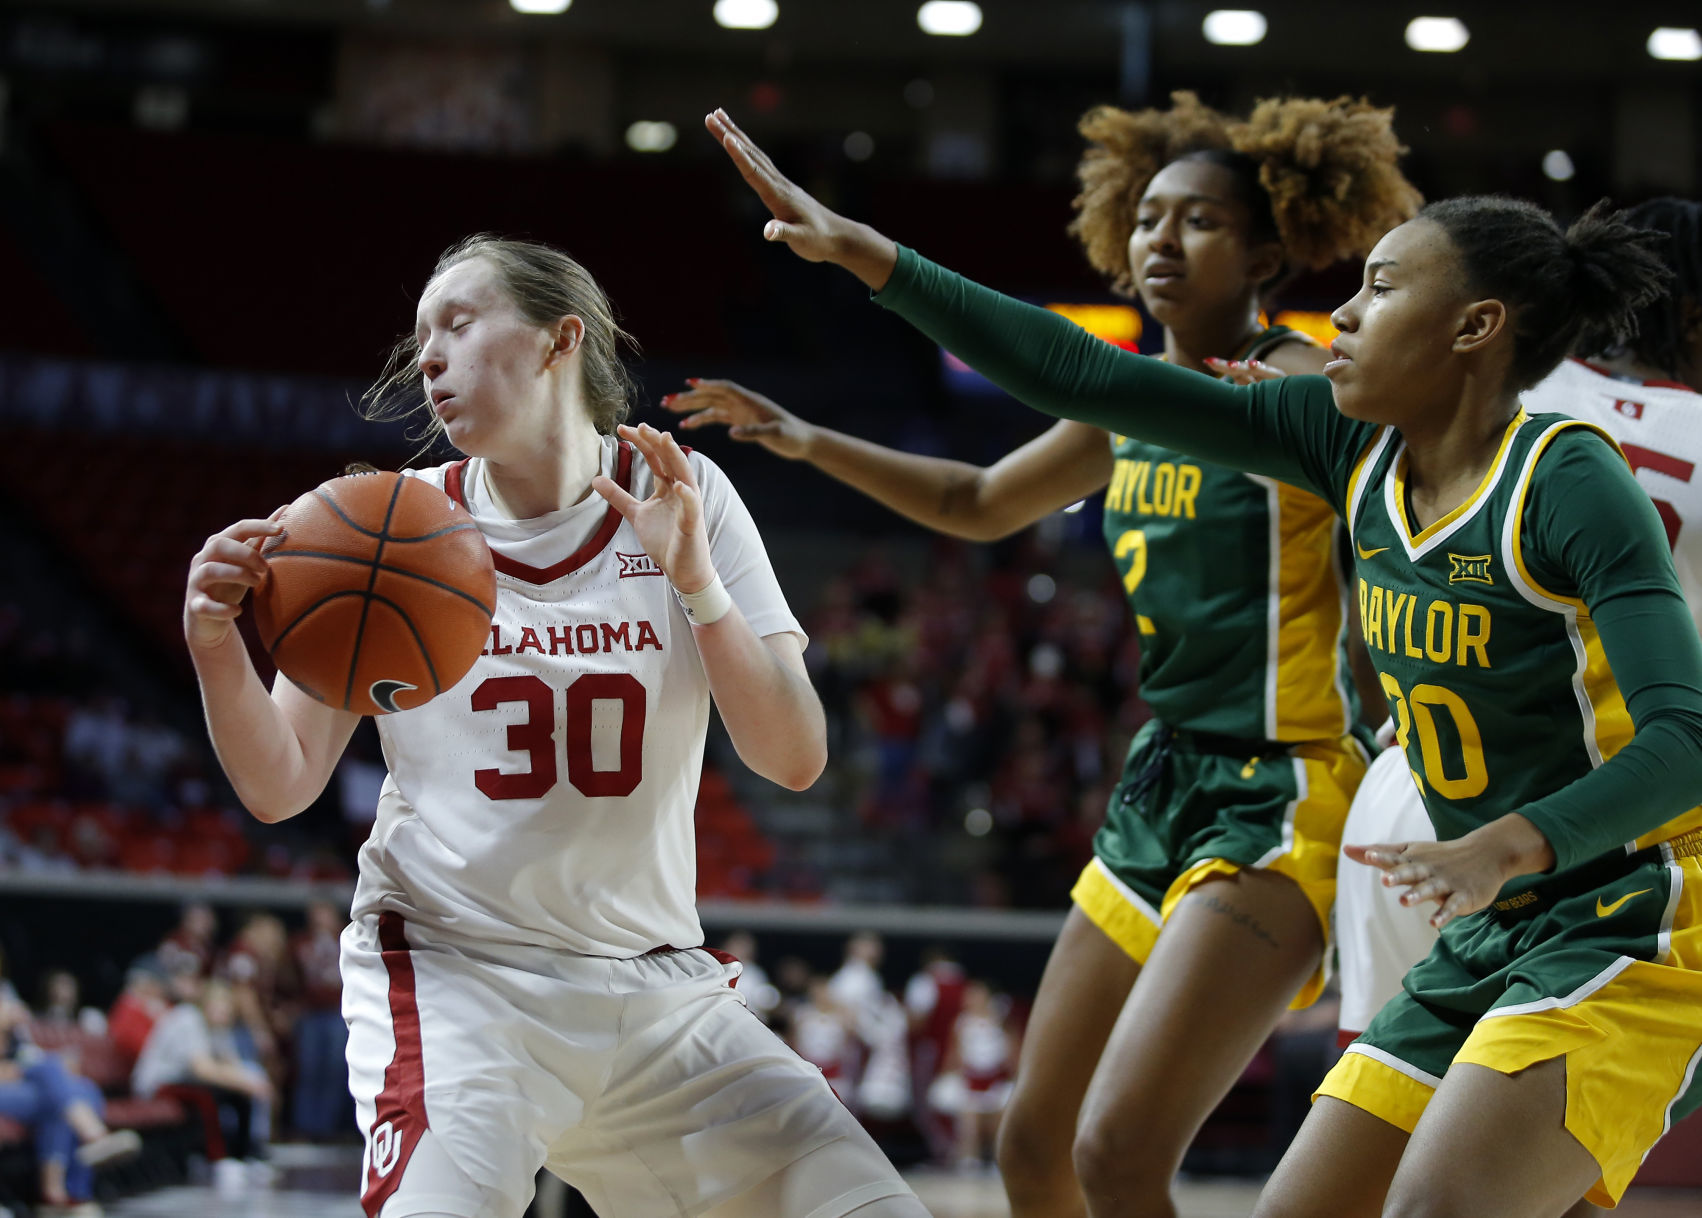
<point x="1658" y="340"/>
<point x="1320" y="177"/>
<point x="1592" y="278"/>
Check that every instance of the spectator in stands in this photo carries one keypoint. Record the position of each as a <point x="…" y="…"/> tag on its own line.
<point x="191" y="1056"/>
<point x="857" y="986"/>
<point x="61" y="1005"/>
<point x="97" y="746"/>
<point x="192" y="942"/>
<point x="883" y="1091"/>
<point x="156" y="753"/>
<point x="63" y="1112"/>
<point x="760" y="993"/>
<point x="144" y="999"/>
<point x="932" y="999"/>
<point x="980" y="1062"/>
<point x="322" y="1106"/>
<point x="821" y="1034"/>
<point x="261" y="976"/>
<point x="878" y="1086"/>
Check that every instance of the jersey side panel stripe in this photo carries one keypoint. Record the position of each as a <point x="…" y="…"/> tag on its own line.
<point x="1607" y="722"/>
<point x="1309" y="606"/>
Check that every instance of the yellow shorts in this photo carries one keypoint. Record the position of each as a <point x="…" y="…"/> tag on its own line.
<point x="1609" y="978"/>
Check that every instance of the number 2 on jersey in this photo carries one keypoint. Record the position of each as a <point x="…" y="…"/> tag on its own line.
<point x="1133" y="544"/>
<point x="535" y="735"/>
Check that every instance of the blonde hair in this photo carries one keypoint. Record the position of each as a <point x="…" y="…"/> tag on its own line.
<point x="545" y="286"/>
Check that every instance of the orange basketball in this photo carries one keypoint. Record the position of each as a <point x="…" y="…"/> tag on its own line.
<point x="380" y="593"/>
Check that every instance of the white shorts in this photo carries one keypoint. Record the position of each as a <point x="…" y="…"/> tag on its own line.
<point x="1377" y="938"/>
<point x="644" y="1083"/>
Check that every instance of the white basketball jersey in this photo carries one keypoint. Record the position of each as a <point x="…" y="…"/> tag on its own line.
<point x="1658" y="424"/>
<point x="547" y="798"/>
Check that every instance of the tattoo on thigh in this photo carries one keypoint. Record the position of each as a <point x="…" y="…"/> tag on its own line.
<point x="1240" y="917"/>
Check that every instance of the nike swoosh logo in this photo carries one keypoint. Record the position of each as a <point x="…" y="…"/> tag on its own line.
<point x="1603" y="911"/>
<point x="383" y="694"/>
<point x="1364" y="553"/>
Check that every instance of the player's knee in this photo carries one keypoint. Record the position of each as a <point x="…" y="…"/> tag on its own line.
<point x="1033" y="1155"/>
<point x="1431" y="1198"/>
<point x="1121" y="1169"/>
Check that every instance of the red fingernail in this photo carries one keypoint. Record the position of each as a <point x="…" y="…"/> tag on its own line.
<point x="668" y="397"/>
<point x="691" y="380"/>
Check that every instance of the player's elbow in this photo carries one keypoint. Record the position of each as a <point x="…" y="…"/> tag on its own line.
<point x="800" y="770"/>
<point x="270" y="807"/>
<point x="989" y="527"/>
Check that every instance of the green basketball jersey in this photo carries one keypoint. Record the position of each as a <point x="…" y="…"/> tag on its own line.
<point x="1495" y="673"/>
<point x="1237" y="586"/>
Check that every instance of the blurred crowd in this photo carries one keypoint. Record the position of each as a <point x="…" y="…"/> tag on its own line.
<point x="933" y="1061"/>
<point x="983" y="699"/>
<point x="242" y="1037"/>
<point x="91" y="779"/>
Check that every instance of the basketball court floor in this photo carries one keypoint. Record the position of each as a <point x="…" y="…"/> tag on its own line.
<point x="319" y="1183"/>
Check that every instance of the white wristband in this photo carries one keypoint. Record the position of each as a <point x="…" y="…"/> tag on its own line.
<point x="707" y="604"/>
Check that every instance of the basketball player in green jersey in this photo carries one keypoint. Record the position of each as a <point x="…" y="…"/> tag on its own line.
<point x="1542" y="668"/>
<point x="1224" y="829"/>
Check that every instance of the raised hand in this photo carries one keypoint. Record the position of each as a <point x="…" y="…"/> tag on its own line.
<point x="747" y="416"/>
<point x="220" y="575"/>
<point x="814" y="231"/>
<point x="1244" y="372"/>
<point x="669" y="523"/>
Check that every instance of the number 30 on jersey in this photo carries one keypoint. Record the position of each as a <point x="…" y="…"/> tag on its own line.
<point x="535" y="735"/>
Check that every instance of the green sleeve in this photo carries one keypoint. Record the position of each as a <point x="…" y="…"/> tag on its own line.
<point x="1287" y="429"/>
<point x="1608" y="547"/>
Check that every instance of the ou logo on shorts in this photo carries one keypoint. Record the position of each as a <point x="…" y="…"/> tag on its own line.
<point x="385" y="1149"/>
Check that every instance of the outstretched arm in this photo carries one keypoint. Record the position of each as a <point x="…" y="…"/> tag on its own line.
<point x="1288" y="429"/>
<point x="1067" y="462"/>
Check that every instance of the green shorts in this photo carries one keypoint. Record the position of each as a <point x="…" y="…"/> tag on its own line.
<point x="1190" y="807"/>
<point x="1602" y="966"/>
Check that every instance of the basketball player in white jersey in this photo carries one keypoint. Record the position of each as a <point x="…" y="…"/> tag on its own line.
<point x="523" y="978"/>
<point x="1646" y="394"/>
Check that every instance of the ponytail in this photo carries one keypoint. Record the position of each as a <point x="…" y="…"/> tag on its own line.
<point x="1558" y="286"/>
<point x="1658" y="338"/>
<point x="1616" y="271"/>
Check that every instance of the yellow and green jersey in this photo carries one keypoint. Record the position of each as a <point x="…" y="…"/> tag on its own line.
<point x="1535" y="648"/>
<point x="1237" y="585"/>
<point x="1492" y="661"/>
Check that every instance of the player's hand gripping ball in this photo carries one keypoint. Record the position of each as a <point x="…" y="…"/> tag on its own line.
<point x="379" y="593"/>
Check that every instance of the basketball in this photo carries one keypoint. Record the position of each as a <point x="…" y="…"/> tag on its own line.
<point x="380" y="593"/>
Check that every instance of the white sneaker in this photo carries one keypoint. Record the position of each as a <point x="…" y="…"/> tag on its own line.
<point x="230" y="1176"/>
<point x="110" y="1148"/>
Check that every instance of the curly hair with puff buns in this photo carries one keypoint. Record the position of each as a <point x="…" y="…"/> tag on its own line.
<point x="1321" y="177"/>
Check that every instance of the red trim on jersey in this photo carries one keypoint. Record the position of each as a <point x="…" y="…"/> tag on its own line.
<point x="726" y="958"/>
<point x="1600" y="371"/>
<point x="452" y="484"/>
<point x="401" y="1105"/>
